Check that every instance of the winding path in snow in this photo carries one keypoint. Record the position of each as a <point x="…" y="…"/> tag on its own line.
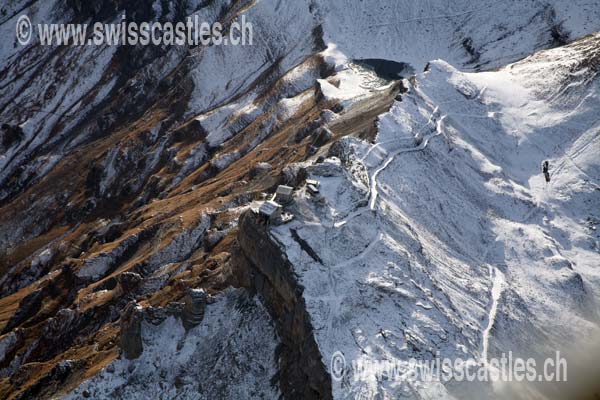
<point x="497" y="278"/>
<point x="373" y="194"/>
<point x="373" y="190"/>
<point x="334" y="299"/>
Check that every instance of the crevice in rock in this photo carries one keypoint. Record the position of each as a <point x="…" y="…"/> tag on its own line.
<point x="305" y="246"/>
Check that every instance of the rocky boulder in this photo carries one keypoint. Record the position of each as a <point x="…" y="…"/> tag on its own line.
<point x="131" y="331"/>
<point x="193" y="310"/>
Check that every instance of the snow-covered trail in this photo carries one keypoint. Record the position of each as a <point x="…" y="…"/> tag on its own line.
<point x="498" y="281"/>
<point x="335" y="300"/>
<point x="374" y="193"/>
<point x="379" y="144"/>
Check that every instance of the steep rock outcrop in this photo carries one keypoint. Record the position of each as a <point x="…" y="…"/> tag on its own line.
<point x="302" y="372"/>
<point x="131" y="331"/>
<point x="193" y="310"/>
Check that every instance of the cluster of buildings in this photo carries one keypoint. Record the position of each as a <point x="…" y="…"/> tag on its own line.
<point x="271" y="211"/>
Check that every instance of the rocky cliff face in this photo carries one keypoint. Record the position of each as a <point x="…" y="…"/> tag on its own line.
<point x="302" y="372"/>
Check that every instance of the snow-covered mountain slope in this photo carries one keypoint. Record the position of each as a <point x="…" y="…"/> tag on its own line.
<point x="134" y="162"/>
<point x="217" y="359"/>
<point x="475" y="35"/>
<point x="453" y="242"/>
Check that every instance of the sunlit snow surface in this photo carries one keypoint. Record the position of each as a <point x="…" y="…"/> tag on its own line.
<point x="457" y="245"/>
<point x="410" y="256"/>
